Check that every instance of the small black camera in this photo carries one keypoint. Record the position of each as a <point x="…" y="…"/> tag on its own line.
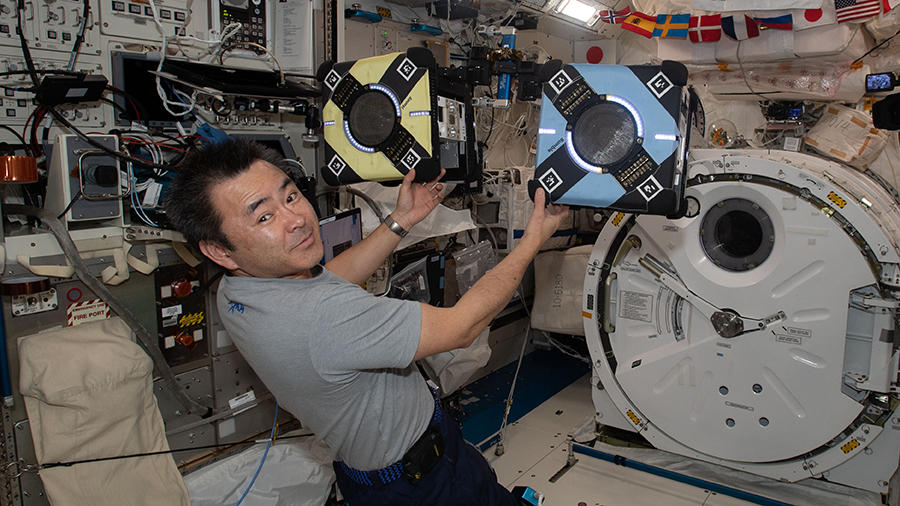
<point x="880" y="82"/>
<point x="886" y="113"/>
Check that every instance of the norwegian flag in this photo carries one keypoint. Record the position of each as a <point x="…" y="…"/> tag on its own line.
<point x="740" y="27"/>
<point x="851" y="10"/>
<point x="705" y="28"/>
<point x="615" y="17"/>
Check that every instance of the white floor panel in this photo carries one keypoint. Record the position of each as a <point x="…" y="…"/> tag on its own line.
<point x="564" y="411"/>
<point x="596" y="482"/>
<point x="525" y="449"/>
<point x="535" y="449"/>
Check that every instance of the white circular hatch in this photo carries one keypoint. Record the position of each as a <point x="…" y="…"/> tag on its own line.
<point x="753" y="331"/>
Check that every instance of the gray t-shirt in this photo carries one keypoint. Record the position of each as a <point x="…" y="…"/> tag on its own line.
<point x="336" y="357"/>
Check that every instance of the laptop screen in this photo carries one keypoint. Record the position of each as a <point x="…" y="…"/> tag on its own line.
<point x="340" y="232"/>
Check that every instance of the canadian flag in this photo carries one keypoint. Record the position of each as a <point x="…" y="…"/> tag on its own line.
<point x="811" y="18"/>
<point x="705" y="28"/>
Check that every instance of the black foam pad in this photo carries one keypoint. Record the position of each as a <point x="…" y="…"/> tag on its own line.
<point x="533" y="185"/>
<point x="421" y="56"/>
<point x="675" y="71"/>
<point x="323" y="70"/>
<point x="549" y="69"/>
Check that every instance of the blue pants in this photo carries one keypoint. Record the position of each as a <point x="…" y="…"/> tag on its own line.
<point x="461" y="478"/>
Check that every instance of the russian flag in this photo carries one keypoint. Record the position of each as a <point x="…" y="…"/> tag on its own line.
<point x="781" y="22"/>
<point x="740" y="27"/>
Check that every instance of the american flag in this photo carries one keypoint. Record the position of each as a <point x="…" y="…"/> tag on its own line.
<point x="849" y="10"/>
<point x="615" y="17"/>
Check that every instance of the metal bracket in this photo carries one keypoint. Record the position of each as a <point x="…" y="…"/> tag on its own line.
<point x="19" y="467"/>
<point x="570" y="463"/>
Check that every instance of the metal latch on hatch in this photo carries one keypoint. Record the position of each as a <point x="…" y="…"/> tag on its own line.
<point x="727" y="323"/>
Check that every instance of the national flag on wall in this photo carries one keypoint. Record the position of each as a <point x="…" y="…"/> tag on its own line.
<point x="705" y="28"/>
<point x="778" y="22"/>
<point x="851" y="10"/>
<point x="740" y="27"/>
<point x="672" y="26"/>
<point x="641" y="24"/>
<point x="615" y="17"/>
<point x="811" y="18"/>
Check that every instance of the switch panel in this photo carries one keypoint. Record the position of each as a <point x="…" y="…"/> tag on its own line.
<point x="181" y="314"/>
<point x="136" y="20"/>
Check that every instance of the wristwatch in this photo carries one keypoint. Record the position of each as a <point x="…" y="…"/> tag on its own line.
<point x="394" y="226"/>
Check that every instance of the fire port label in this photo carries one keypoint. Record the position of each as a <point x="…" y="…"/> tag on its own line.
<point x="87" y="311"/>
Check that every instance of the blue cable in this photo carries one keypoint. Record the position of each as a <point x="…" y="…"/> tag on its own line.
<point x="139" y="208"/>
<point x="263" y="461"/>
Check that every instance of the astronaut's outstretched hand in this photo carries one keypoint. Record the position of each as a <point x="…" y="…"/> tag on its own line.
<point x="417" y="200"/>
<point x="545" y="220"/>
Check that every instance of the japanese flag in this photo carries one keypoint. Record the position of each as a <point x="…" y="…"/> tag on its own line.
<point x="596" y="51"/>
<point x="811" y="18"/>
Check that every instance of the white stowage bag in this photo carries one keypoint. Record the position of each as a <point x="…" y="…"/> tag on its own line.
<point x="89" y="394"/>
<point x="558" y="290"/>
<point x="847" y="135"/>
<point x="297" y="472"/>
<point x="441" y="221"/>
<point x="452" y="369"/>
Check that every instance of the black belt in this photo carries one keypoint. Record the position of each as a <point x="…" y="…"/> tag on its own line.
<point x="418" y="460"/>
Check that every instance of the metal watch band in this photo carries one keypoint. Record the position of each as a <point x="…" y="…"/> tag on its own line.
<point x="394" y="226"/>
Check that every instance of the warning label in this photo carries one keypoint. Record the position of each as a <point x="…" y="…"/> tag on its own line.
<point x="87" y="311"/>
<point x="635" y="306"/>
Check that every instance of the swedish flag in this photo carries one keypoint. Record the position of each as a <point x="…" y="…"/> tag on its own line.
<point x="673" y="26"/>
